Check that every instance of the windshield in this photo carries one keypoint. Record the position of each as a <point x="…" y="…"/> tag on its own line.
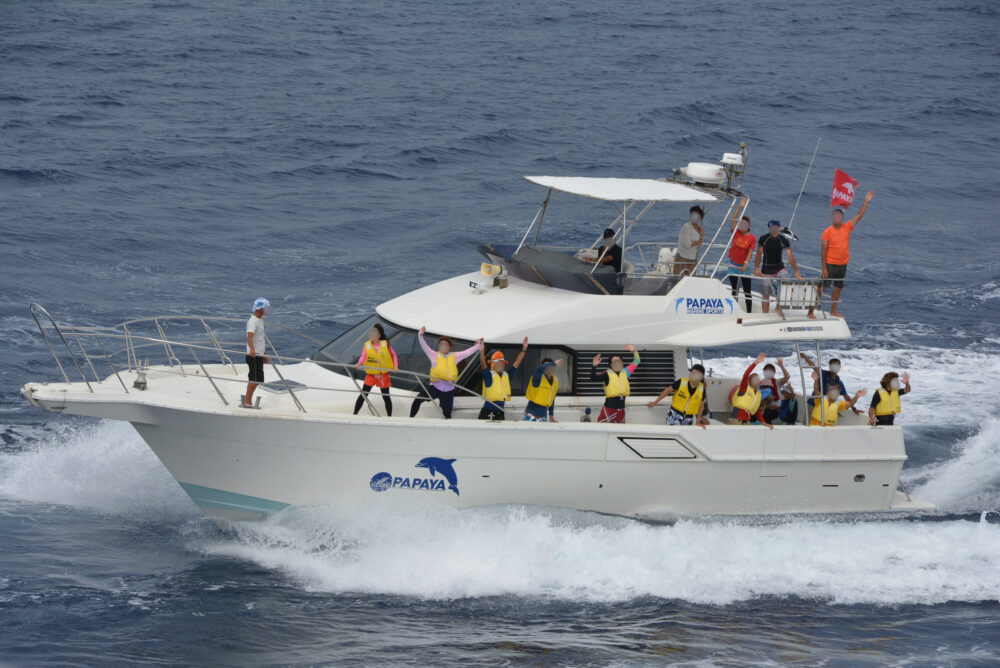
<point x="346" y="349"/>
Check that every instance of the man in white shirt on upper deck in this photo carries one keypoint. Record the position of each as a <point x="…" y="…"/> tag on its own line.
<point x="256" y="348"/>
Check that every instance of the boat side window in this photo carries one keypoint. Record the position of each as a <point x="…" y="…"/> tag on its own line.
<point x="346" y="348"/>
<point x="532" y="358"/>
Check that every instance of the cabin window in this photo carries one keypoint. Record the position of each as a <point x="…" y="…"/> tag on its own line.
<point x="346" y="349"/>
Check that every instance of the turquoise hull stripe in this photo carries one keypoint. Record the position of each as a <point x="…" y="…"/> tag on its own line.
<point x="207" y="497"/>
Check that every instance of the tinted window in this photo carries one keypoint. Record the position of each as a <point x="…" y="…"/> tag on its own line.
<point x="346" y="349"/>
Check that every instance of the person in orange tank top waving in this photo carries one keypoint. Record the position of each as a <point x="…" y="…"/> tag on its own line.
<point x="836" y="252"/>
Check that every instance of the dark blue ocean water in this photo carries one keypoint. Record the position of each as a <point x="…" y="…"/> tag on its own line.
<point x="184" y="157"/>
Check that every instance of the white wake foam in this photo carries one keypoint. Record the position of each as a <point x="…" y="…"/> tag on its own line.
<point x="970" y="480"/>
<point x="104" y="466"/>
<point x="554" y="554"/>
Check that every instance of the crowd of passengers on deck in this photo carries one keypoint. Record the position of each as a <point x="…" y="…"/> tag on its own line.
<point x="760" y="399"/>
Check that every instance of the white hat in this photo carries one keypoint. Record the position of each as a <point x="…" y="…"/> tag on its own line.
<point x="261" y="303"/>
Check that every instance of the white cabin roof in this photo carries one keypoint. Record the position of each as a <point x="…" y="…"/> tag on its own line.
<point x="622" y="190"/>
<point x="696" y="312"/>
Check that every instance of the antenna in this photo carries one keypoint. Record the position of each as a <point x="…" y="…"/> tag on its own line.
<point x="803" y="189"/>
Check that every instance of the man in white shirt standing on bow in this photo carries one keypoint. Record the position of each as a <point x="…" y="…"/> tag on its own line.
<point x="256" y="348"/>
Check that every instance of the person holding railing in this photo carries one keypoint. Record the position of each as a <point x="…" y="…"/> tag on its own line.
<point x="691" y="236"/>
<point x="826" y="409"/>
<point x="741" y="254"/>
<point x="885" y="401"/>
<point x="689" y="402"/>
<point x="747" y="397"/>
<point x="496" y="381"/>
<point x="444" y="372"/>
<point x="769" y="265"/>
<point x="541" y="393"/>
<point x="616" y="385"/>
<point x="377" y="358"/>
<point x="256" y="349"/>
<point x="827" y="377"/>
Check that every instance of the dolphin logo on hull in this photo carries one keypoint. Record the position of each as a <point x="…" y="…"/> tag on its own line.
<point x="437" y="465"/>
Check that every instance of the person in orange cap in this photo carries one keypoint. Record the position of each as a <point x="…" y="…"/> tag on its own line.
<point x="496" y="381"/>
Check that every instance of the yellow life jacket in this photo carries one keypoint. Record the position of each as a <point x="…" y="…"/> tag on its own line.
<point x="545" y="393"/>
<point x="888" y="402"/>
<point x="499" y="387"/>
<point x="617" y="384"/>
<point x="829" y="408"/>
<point x="378" y="359"/>
<point x="685" y="402"/>
<point x="748" y="401"/>
<point x="445" y="368"/>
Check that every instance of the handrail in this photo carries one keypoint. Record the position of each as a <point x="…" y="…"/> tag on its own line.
<point x="134" y="341"/>
<point x="34" y="314"/>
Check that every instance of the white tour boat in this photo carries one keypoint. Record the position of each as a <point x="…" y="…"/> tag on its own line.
<point x="303" y="446"/>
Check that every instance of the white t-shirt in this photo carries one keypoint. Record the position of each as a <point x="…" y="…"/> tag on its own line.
<point x="685" y="244"/>
<point x="255" y="326"/>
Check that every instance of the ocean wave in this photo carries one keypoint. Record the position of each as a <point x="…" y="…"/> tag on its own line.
<point x="33" y="177"/>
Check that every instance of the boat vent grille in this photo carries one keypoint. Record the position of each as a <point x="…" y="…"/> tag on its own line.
<point x="654" y="373"/>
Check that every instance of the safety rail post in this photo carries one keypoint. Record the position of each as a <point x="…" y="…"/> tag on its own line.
<point x="205" y="371"/>
<point x="107" y="357"/>
<point x="58" y="331"/>
<point x="133" y="361"/>
<point x="731" y="234"/>
<point x="222" y="355"/>
<point x="802" y="378"/>
<point x="287" y="387"/>
<point x="822" y="394"/>
<point x="83" y="351"/>
<point x="167" y="348"/>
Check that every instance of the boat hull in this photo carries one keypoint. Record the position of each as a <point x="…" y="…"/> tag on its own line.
<point x="249" y="467"/>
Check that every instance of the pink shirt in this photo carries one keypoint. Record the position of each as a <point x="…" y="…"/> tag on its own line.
<point x="432" y="356"/>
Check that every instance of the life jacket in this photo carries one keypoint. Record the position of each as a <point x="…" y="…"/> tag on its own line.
<point x="378" y="359"/>
<point x="499" y="387"/>
<point x="617" y="385"/>
<point x="685" y="402"/>
<point x="445" y="368"/>
<point x="748" y="401"/>
<point x="830" y="408"/>
<point x="545" y="393"/>
<point x="888" y="402"/>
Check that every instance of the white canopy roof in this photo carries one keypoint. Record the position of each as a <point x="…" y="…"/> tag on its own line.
<point x="618" y="190"/>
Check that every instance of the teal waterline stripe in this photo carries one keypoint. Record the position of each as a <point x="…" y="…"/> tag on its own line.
<point x="208" y="497"/>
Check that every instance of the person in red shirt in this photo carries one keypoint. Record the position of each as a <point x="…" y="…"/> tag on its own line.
<point x="836" y="252"/>
<point x="741" y="254"/>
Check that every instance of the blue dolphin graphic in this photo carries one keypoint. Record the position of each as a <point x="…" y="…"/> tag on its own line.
<point x="443" y="466"/>
<point x="677" y="304"/>
<point x="729" y="303"/>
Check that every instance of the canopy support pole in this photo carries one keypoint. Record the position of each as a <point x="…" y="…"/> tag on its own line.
<point x="739" y="213"/>
<point x="536" y="219"/>
<point x="541" y="217"/>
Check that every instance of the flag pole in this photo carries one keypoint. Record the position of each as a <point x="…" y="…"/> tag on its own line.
<point x="803" y="189"/>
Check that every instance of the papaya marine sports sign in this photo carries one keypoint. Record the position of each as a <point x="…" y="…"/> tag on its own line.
<point x="384" y="480"/>
<point x="703" y="305"/>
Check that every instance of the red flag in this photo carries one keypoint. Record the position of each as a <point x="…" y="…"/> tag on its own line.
<point x="843" y="189"/>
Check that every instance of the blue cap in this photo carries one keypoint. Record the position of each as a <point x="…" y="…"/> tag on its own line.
<point x="774" y="222"/>
<point x="261" y="303"/>
<point x="587" y="411"/>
